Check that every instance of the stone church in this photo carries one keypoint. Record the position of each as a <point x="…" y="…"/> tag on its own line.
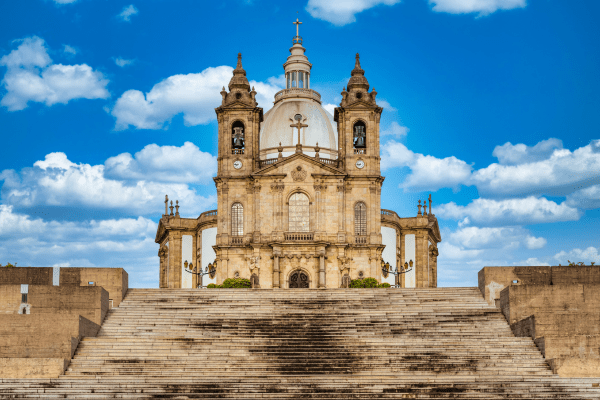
<point x="299" y="195"/>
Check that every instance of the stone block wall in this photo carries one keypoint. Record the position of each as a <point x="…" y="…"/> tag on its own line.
<point x="114" y="280"/>
<point x="40" y="345"/>
<point x="559" y="307"/>
<point x="90" y="302"/>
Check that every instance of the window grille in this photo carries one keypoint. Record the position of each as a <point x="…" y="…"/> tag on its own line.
<point x="299" y="219"/>
<point x="360" y="219"/>
<point x="237" y="220"/>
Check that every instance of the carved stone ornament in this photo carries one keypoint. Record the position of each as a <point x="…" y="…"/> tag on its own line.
<point x="344" y="263"/>
<point x="277" y="186"/>
<point x="253" y="263"/>
<point x="433" y="251"/>
<point x="299" y="174"/>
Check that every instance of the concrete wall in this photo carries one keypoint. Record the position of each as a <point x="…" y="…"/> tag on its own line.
<point x="40" y="346"/>
<point x="30" y="275"/>
<point x="114" y="280"/>
<point x="90" y="302"/>
<point x="519" y="302"/>
<point x="493" y="279"/>
<point x="559" y="307"/>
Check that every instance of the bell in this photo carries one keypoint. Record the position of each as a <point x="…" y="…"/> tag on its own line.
<point x="238" y="143"/>
<point x="360" y="142"/>
<point x="238" y="138"/>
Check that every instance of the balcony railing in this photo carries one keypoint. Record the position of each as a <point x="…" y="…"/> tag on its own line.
<point x="237" y="240"/>
<point x="360" y="239"/>
<point x="237" y="151"/>
<point x="297" y="92"/>
<point x="360" y="151"/>
<point x="299" y="236"/>
<point x="269" y="161"/>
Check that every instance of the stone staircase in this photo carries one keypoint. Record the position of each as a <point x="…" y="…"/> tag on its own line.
<point x="444" y="343"/>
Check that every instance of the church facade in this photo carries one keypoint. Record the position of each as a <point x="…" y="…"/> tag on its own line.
<point x="299" y="195"/>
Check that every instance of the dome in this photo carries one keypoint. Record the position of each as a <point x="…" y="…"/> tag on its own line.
<point x="320" y="128"/>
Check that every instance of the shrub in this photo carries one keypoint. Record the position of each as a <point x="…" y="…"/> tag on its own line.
<point x="213" y="286"/>
<point x="364" y="283"/>
<point x="384" y="285"/>
<point x="237" y="283"/>
<point x="9" y="265"/>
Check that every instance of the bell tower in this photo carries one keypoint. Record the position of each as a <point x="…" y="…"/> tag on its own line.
<point x="358" y="125"/>
<point x="239" y="120"/>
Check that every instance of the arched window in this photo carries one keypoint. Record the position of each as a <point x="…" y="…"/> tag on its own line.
<point x="360" y="135"/>
<point x="299" y="213"/>
<point x="360" y="219"/>
<point x="237" y="220"/>
<point x="237" y="138"/>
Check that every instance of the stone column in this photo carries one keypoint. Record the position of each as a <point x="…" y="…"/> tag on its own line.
<point x="322" y="283"/>
<point x="275" y="271"/>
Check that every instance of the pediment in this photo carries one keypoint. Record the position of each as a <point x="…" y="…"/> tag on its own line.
<point x="278" y="167"/>
<point x="161" y="231"/>
<point x="435" y="228"/>
<point x="360" y="104"/>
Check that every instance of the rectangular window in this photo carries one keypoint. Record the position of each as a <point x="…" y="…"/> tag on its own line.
<point x="294" y="79"/>
<point x="301" y="84"/>
<point x="24" y="298"/>
<point x="288" y="81"/>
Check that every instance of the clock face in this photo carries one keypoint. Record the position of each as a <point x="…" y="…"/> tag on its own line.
<point x="237" y="164"/>
<point x="360" y="164"/>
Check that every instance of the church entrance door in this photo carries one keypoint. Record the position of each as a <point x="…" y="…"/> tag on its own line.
<point x="298" y="280"/>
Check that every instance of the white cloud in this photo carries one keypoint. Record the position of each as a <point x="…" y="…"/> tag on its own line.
<point x="64" y="1"/>
<point x="453" y="252"/>
<point x="342" y="12"/>
<point x="127" y="243"/>
<point x="588" y="198"/>
<point x="185" y="164"/>
<point x="483" y="7"/>
<point x="511" y="237"/>
<point x="591" y="254"/>
<point x="531" y="261"/>
<point x="69" y="50"/>
<point x="193" y="95"/>
<point x="30" y="76"/>
<point x="395" y="130"/>
<point x="330" y="108"/>
<point x="510" y="154"/>
<point x="535" y="243"/>
<point x="386" y="105"/>
<point x="128" y="12"/>
<point x="530" y="210"/>
<point x="560" y="173"/>
<point x="56" y="181"/>
<point x="122" y="62"/>
<point x="427" y="172"/>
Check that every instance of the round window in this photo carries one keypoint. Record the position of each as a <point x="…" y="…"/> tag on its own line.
<point x="298" y="117"/>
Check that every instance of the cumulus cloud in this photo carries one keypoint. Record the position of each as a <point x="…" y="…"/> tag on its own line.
<point x="530" y="210"/>
<point x="532" y="262"/>
<point x="30" y="76"/>
<point x="427" y="172"/>
<point x="588" y="198"/>
<point x="128" y="12"/>
<point x="395" y="130"/>
<point x="64" y="1"/>
<point x="482" y="7"/>
<point x="193" y="95"/>
<point x="473" y="237"/>
<point x="185" y="164"/>
<point x="559" y="173"/>
<point x="342" y="12"/>
<point x="588" y="255"/>
<point x="127" y="243"/>
<point x="122" y="62"/>
<point x="510" y="154"/>
<point x="56" y="181"/>
<point x="69" y="50"/>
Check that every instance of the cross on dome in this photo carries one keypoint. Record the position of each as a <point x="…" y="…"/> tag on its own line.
<point x="297" y="38"/>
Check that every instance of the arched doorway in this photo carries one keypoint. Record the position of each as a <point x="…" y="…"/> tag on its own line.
<point x="299" y="280"/>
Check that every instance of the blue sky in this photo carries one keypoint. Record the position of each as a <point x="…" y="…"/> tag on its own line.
<point x="490" y="105"/>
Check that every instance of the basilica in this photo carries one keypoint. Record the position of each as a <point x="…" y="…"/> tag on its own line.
<point x="299" y="195"/>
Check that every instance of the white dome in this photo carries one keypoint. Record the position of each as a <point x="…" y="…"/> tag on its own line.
<point x="276" y="125"/>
